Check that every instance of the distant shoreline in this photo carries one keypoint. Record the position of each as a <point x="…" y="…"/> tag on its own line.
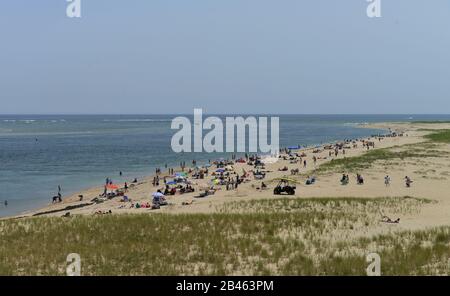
<point x="145" y="177"/>
<point x="53" y="209"/>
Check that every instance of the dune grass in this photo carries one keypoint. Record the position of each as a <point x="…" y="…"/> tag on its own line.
<point x="441" y="136"/>
<point x="358" y="163"/>
<point x="430" y="121"/>
<point x="273" y="237"/>
<point x="422" y="150"/>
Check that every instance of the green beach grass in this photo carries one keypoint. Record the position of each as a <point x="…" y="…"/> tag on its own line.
<point x="441" y="136"/>
<point x="275" y="237"/>
<point x="420" y="150"/>
<point x="358" y="163"/>
<point x="430" y="121"/>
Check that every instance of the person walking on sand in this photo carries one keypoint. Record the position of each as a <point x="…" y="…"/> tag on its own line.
<point x="387" y="181"/>
<point x="408" y="181"/>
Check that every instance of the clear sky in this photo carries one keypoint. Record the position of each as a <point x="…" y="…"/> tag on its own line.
<point x="225" y="56"/>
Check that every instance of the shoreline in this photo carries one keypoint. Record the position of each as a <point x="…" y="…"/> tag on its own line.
<point x="141" y="191"/>
<point x="70" y="201"/>
<point x="43" y="203"/>
<point x="329" y="218"/>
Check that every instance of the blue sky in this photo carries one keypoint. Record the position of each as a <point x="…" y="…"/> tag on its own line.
<point x="225" y="56"/>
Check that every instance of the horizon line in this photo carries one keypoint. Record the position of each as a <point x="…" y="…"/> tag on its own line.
<point x="149" y="114"/>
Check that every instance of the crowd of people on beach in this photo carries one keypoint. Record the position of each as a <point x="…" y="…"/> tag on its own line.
<point x="222" y="174"/>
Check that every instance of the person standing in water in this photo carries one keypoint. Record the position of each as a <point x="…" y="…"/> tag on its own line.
<point x="6" y="203"/>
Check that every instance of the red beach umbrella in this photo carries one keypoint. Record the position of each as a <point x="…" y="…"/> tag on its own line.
<point x="112" y="187"/>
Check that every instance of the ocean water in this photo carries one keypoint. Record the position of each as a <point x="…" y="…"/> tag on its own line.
<point x="40" y="152"/>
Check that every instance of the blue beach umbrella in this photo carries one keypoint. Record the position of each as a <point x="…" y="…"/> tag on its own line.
<point x="157" y="194"/>
<point x="180" y="174"/>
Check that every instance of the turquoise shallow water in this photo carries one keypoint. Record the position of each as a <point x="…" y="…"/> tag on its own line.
<point x="38" y="153"/>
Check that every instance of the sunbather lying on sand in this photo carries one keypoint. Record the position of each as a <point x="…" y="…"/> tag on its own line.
<point x="386" y="219"/>
<point x="99" y="212"/>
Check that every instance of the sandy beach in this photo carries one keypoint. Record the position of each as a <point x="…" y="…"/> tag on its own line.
<point x="327" y="227"/>
<point x="429" y="174"/>
<point x="225" y="138"/>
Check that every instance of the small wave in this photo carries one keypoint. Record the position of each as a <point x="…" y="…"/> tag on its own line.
<point x="35" y="134"/>
<point x="137" y="120"/>
<point x="27" y="121"/>
<point x="356" y="123"/>
<point x="9" y="120"/>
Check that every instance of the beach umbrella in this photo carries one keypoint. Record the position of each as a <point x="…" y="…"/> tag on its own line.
<point x="171" y="183"/>
<point x="112" y="187"/>
<point x="293" y="147"/>
<point x="179" y="179"/>
<point x="220" y="170"/>
<point x="157" y="194"/>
